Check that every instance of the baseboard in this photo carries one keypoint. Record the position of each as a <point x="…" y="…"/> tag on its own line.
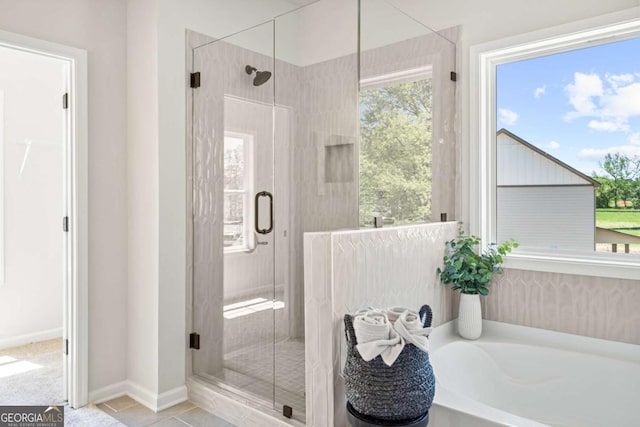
<point x="109" y="392"/>
<point x="156" y="402"/>
<point x="142" y="395"/>
<point x="30" y="338"/>
<point x="172" y="397"/>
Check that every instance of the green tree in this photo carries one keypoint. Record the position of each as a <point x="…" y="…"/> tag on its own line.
<point x="395" y="152"/>
<point x="605" y="194"/>
<point x="624" y="172"/>
<point x="635" y="193"/>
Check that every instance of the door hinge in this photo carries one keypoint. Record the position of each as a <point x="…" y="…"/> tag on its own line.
<point x="65" y="224"/>
<point x="65" y="101"/>
<point x="287" y="411"/>
<point x="66" y="347"/>
<point x="194" y="341"/>
<point x="195" y="79"/>
<point x="454" y="76"/>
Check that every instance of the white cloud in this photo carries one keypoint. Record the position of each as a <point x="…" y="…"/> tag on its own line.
<point x="615" y="79"/>
<point x="623" y="103"/>
<point x="599" y="153"/>
<point x="552" y="145"/>
<point x="634" y="138"/>
<point x="608" y="126"/>
<point x="610" y="103"/>
<point x="507" y="117"/>
<point x="581" y="91"/>
<point x="539" y="91"/>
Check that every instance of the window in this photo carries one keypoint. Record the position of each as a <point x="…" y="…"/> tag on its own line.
<point x="395" y="148"/>
<point x="238" y="191"/>
<point x="551" y="118"/>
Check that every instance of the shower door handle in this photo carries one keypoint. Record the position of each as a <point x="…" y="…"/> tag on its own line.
<point x="257" y="212"/>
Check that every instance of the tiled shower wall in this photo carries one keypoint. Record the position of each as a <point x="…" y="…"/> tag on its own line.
<point x="348" y="270"/>
<point x="592" y="306"/>
<point x="327" y="109"/>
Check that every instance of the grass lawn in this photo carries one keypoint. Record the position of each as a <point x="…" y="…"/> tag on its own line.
<point x="623" y="220"/>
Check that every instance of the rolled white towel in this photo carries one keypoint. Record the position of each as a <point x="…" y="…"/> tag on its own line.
<point x="410" y="328"/>
<point x="393" y="313"/>
<point x="376" y="336"/>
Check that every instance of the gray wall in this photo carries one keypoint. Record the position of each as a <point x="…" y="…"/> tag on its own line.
<point x="583" y="305"/>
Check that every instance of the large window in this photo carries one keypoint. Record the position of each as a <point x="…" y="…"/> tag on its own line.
<point x="555" y="148"/>
<point x="238" y="191"/>
<point x="568" y="152"/>
<point x="395" y="150"/>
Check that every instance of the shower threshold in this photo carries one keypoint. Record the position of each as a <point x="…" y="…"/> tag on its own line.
<point x="253" y="391"/>
<point x="236" y="407"/>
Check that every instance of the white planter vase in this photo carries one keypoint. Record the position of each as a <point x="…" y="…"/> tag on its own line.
<point x="470" y="317"/>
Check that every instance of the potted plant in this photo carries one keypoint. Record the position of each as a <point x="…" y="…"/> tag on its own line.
<point x="470" y="271"/>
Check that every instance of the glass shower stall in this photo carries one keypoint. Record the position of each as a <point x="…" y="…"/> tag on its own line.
<point x="274" y="117"/>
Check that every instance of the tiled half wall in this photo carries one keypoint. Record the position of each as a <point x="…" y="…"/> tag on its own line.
<point x="347" y="270"/>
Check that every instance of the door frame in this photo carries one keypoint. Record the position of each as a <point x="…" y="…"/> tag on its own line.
<point x="75" y="256"/>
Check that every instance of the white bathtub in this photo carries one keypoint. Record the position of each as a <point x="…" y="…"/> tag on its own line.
<point x="519" y="376"/>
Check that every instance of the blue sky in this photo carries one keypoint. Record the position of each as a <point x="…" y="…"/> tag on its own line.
<point x="578" y="105"/>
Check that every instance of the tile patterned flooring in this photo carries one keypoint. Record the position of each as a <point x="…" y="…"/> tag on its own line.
<point x="246" y="369"/>
<point x="250" y="371"/>
<point x="132" y="414"/>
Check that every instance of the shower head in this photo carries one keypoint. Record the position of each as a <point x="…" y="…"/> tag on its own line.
<point x="261" y="76"/>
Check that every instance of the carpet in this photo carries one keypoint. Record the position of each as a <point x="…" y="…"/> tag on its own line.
<point x="32" y="375"/>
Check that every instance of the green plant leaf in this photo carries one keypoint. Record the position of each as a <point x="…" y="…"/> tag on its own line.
<point x="469" y="269"/>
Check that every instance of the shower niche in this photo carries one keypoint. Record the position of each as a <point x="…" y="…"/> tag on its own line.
<point x="273" y="152"/>
<point x="337" y="163"/>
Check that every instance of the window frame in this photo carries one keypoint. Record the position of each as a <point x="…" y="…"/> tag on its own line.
<point x="479" y="190"/>
<point x="249" y="178"/>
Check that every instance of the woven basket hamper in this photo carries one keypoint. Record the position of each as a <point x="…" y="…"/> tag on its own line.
<point x="402" y="391"/>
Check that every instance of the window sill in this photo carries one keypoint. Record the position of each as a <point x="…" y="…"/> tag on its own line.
<point x="617" y="266"/>
<point x="239" y="251"/>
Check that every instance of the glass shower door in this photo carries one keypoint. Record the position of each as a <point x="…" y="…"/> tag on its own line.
<point x="233" y="212"/>
<point x="275" y="155"/>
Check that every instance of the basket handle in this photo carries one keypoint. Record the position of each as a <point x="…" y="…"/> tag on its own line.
<point x="426" y="314"/>
<point x="349" y="332"/>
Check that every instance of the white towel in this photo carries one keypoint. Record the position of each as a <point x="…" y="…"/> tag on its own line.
<point x="393" y="313"/>
<point x="409" y="327"/>
<point x="376" y="336"/>
<point x="386" y="332"/>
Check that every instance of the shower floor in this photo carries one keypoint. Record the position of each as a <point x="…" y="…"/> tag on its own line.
<point x="250" y="370"/>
